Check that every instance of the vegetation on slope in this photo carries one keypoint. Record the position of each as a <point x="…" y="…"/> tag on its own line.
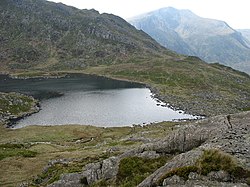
<point x="132" y="170"/>
<point x="11" y="150"/>
<point x="15" y="105"/>
<point x="188" y="83"/>
<point x="39" y="34"/>
<point x="76" y="144"/>
<point x="211" y="160"/>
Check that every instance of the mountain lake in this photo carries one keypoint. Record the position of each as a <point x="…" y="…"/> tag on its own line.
<point x="90" y="100"/>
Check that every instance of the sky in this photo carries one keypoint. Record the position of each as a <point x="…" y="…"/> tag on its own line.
<point x="235" y="12"/>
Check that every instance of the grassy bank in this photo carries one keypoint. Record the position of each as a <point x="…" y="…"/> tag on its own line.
<point x="35" y="146"/>
<point x="188" y="84"/>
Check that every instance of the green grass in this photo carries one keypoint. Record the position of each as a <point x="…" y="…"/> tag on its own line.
<point x="246" y="109"/>
<point x="57" y="142"/>
<point x="54" y="172"/>
<point x="12" y="150"/>
<point x="187" y="83"/>
<point x="211" y="160"/>
<point x="132" y="170"/>
<point x="215" y="160"/>
<point x="15" y="104"/>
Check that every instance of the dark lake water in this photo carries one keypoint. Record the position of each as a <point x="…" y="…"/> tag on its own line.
<point x="90" y="100"/>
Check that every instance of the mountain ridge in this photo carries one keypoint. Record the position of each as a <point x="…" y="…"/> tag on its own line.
<point x="46" y="33"/>
<point x="211" y="40"/>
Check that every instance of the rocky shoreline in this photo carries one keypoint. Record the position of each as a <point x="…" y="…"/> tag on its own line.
<point x="16" y="106"/>
<point x="192" y="107"/>
<point x="11" y="120"/>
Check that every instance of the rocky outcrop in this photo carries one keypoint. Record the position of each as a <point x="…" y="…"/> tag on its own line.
<point x="14" y="106"/>
<point x="233" y="139"/>
<point x="69" y="180"/>
<point x="176" y="181"/>
<point x="229" y="134"/>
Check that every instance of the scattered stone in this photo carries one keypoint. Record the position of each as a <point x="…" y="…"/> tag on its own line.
<point x="221" y="176"/>
<point x="149" y="154"/>
<point x="173" y="180"/>
<point x="194" y="176"/>
<point x="187" y="143"/>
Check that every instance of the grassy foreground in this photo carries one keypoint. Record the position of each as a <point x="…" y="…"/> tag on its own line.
<point x="25" y="152"/>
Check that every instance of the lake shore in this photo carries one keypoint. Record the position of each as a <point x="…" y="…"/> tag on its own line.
<point x="141" y="101"/>
<point x="16" y="106"/>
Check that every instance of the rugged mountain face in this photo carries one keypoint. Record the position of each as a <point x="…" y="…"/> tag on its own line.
<point x="187" y="33"/>
<point x="38" y="34"/>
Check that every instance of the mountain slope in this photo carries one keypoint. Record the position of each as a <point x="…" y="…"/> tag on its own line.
<point x="187" y="33"/>
<point x="38" y="34"/>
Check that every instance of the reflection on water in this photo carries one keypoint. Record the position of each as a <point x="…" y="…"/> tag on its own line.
<point x="90" y="100"/>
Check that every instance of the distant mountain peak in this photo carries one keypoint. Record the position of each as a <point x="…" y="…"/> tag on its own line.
<point x="185" y="32"/>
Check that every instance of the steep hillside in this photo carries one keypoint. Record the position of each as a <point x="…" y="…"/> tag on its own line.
<point x="37" y="34"/>
<point x="187" y="33"/>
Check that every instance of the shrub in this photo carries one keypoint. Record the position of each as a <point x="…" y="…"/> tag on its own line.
<point x="132" y="170"/>
<point x="211" y="160"/>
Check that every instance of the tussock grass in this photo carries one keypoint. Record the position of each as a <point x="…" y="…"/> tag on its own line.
<point x="132" y="170"/>
<point x="211" y="160"/>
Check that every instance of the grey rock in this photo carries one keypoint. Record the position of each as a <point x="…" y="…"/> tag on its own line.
<point x="181" y="160"/>
<point x="189" y="141"/>
<point x="93" y="172"/>
<point x="173" y="180"/>
<point x="149" y="154"/>
<point x="105" y="169"/>
<point x="69" y="180"/>
<point x="110" y="167"/>
<point x="221" y="176"/>
<point x="194" y="176"/>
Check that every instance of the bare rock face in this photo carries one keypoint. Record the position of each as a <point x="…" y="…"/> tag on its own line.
<point x="181" y="160"/>
<point x="229" y="134"/>
<point x="105" y="169"/>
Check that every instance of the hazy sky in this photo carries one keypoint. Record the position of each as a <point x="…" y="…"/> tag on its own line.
<point x="235" y="12"/>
